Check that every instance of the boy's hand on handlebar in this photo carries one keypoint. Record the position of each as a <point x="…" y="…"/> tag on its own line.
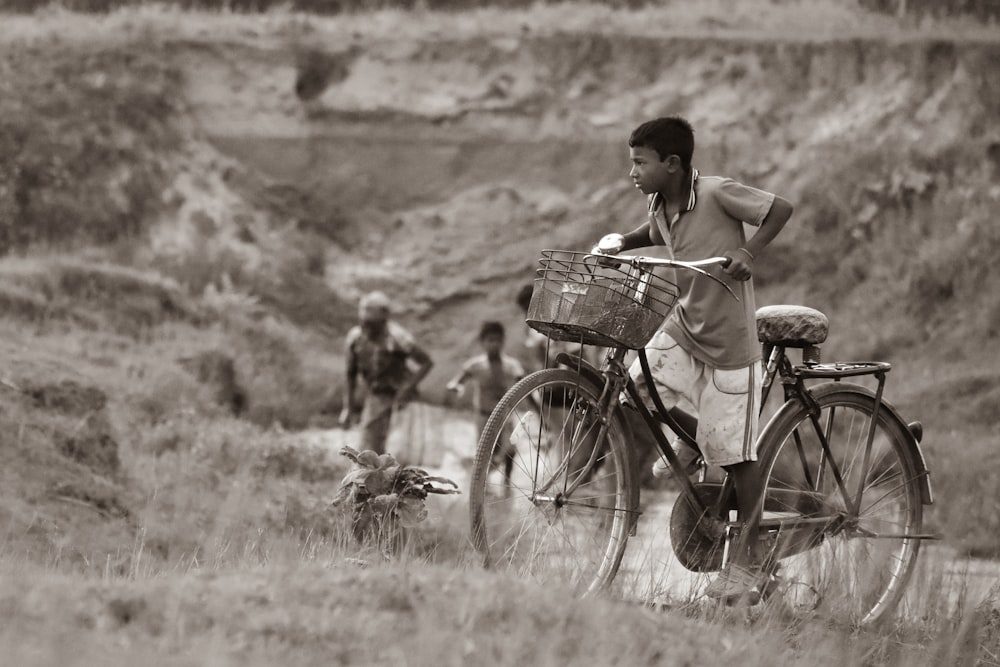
<point x="740" y="264"/>
<point x="610" y="244"/>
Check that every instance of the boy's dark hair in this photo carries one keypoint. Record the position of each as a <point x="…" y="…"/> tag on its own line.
<point x="524" y="296"/>
<point x="670" y="135"/>
<point x="491" y="328"/>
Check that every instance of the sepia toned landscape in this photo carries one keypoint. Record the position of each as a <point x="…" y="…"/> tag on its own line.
<point x="192" y="202"/>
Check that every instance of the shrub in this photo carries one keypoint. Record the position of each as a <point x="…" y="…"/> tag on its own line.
<point x="82" y="132"/>
<point x="280" y="386"/>
<point x="86" y="435"/>
<point x="288" y="458"/>
<point x="95" y="295"/>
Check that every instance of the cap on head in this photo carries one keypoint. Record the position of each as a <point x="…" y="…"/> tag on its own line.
<point x="374" y="307"/>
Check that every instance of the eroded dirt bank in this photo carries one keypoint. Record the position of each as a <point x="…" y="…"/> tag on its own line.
<point x="500" y="146"/>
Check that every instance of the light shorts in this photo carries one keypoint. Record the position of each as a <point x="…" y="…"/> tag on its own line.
<point x="726" y="402"/>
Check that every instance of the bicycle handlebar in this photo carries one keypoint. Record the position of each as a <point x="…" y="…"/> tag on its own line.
<point x="657" y="261"/>
<point x="611" y="245"/>
<point x="694" y="265"/>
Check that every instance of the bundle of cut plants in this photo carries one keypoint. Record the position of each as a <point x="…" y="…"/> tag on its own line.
<point x="385" y="497"/>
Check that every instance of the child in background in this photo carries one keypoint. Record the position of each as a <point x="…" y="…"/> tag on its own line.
<point x="379" y="352"/>
<point x="492" y="373"/>
<point x="541" y="351"/>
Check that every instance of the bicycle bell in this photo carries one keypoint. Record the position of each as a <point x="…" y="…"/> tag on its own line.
<point x="611" y="244"/>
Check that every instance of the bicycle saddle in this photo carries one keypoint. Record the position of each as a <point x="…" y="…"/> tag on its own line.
<point x="791" y="326"/>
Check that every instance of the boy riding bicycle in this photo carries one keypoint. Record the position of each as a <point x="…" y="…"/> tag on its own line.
<point x="705" y="357"/>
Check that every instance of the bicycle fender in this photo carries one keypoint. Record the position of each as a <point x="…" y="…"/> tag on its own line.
<point x="582" y="366"/>
<point x="591" y="374"/>
<point x="926" y="493"/>
<point x="631" y="477"/>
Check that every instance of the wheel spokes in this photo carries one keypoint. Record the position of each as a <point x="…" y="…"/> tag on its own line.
<point x="857" y="488"/>
<point x="560" y="515"/>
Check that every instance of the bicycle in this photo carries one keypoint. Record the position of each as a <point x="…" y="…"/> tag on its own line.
<point x="844" y="479"/>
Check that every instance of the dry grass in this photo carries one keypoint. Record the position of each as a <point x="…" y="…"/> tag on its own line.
<point x="225" y="551"/>
<point x="206" y="539"/>
<point x="261" y="599"/>
<point x="333" y="611"/>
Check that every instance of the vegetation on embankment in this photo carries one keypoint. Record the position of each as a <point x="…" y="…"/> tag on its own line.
<point x="117" y="218"/>
<point x="887" y="146"/>
<point x="83" y="134"/>
<point x="170" y="308"/>
<point x="983" y="10"/>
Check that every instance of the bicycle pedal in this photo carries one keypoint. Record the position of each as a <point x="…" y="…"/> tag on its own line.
<point x="771" y="586"/>
<point x="797" y="596"/>
<point x="749" y="599"/>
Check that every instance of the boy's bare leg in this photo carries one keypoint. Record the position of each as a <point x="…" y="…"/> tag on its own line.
<point x="740" y="579"/>
<point x="746" y="477"/>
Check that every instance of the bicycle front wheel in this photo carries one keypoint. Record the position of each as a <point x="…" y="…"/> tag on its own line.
<point x="550" y="487"/>
<point x="858" y="499"/>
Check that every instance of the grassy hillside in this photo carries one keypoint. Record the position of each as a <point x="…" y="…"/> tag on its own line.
<point x="191" y="203"/>
<point x="195" y="180"/>
<point x="453" y="150"/>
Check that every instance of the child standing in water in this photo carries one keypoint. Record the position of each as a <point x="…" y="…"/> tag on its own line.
<point x="379" y="352"/>
<point x="492" y="373"/>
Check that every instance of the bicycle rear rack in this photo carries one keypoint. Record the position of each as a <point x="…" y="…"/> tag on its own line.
<point x="841" y="369"/>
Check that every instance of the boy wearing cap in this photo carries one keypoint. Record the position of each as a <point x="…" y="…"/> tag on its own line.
<point x="382" y="353"/>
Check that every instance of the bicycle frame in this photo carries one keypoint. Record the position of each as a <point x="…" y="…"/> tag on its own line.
<point x="614" y="379"/>
<point x="793" y="380"/>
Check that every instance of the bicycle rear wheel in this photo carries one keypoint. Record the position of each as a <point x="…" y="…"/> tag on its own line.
<point x="854" y="560"/>
<point x="563" y="514"/>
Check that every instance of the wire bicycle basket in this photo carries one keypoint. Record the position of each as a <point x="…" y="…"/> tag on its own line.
<point x="579" y="298"/>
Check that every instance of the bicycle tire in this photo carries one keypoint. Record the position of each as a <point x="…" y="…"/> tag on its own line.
<point x="527" y="526"/>
<point x="848" y="573"/>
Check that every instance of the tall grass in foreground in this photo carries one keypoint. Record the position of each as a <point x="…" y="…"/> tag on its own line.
<point x="260" y="596"/>
<point x="229" y="553"/>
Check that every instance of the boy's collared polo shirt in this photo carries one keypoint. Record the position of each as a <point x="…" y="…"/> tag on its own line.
<point x="707" y="321"/>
